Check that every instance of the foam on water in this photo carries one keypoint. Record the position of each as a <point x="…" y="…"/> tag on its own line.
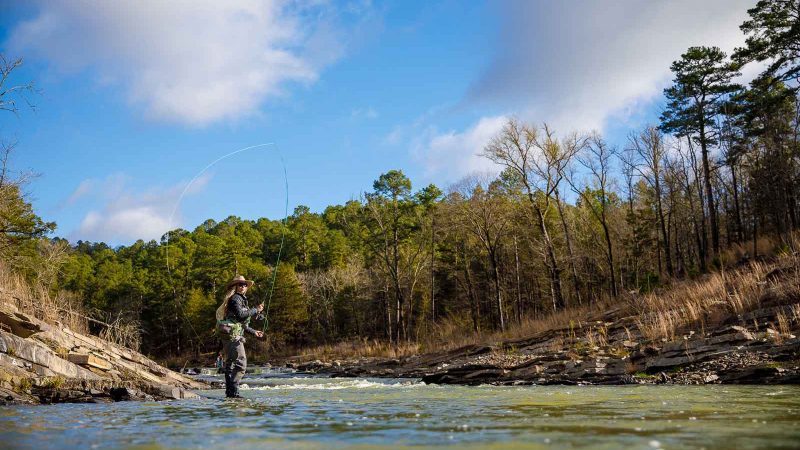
<point x="332" y="385"/>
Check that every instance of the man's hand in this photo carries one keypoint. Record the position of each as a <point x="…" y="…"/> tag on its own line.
<point x="259" y="334"/>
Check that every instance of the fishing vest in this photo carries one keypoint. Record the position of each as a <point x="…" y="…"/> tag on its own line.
<point x="230" y="328"/>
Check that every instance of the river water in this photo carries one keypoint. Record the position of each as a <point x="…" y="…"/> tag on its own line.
<point x="288" y="411"/>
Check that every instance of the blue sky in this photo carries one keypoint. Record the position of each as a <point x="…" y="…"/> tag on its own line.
<point x="138" y="97"/>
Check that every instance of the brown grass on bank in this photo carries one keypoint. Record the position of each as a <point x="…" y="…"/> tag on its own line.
<point x="449" y="334"/>
<point x="690" y="305"/>
<point x="123" y="332"/>
<point x="64" y="308"/>
<point x="37" y="301"/>
<point x="365" y="348"/>
<point x="697" y="304"/>
<point x="765" y="246"/>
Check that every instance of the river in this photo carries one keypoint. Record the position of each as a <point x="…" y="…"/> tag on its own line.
<point x="288" y="411"/>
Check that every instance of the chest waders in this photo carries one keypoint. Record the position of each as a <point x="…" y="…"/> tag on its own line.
<point x="231" y="332"/>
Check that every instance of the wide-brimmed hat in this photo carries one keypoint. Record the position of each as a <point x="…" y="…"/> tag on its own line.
<point x="239" y="279"/>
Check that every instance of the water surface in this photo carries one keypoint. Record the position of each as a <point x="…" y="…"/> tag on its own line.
<point x="287" y="411"/>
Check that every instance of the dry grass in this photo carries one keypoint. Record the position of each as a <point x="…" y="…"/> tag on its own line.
<point x="35" y="299"/>
<point x="449" y="334"/>
<point x="126" y="333"/>
<point x="597" y="337"/>
<point x="361" y="349"/>
<point x="795" y="311"/>
<point x="783" y="324"/>
<point x="701" y="303"/>
<point x="63" y="308"/>
<point x="566" y="318"/>
<point x="766" y="246"/>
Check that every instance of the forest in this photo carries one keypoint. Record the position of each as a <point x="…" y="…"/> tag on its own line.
<point x="570" y="221"/>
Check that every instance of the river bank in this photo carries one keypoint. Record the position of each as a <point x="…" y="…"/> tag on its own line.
<point x="739" y="330"/>
<point x="49" y="363"/>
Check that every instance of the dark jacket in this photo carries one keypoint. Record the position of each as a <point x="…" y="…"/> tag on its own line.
<point x="239" y="311"/>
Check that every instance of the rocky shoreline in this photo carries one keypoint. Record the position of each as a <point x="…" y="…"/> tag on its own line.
<point x="43" y="363"/>
<point x="741" y="349"/>
<point x="737" y="356"/>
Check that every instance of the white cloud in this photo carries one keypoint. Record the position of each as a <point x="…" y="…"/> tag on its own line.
<point x="579" y="64"/>
<point x="394" y="137"/>
<point x="190" y="62"/>
<point x="364" y="113"/>
<point x="126" y="214"/>
<point x="135" y="222"/>
<point x="83" y="189"/>
<point x="452" y="155"/>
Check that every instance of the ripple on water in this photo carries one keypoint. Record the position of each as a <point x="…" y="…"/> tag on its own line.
<point x="311" y="413"/>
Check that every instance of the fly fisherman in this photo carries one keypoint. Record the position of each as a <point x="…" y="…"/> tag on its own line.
<point x="233" y="319"/>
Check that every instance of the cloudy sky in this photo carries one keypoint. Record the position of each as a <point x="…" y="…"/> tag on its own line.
<point x="140" y="102"/>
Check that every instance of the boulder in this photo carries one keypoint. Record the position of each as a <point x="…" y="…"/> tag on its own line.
<point x="9" y="397"/>
<point x="615" y="367"/>
<point x="751" y="375"/>
<point x="55" y="395"/>
<point x="188" y="395"/>
<point x="119" y="394"/>
<point x="20" y="324"/>
<point x="468" y="374"/>
<point x="171" y="392"/>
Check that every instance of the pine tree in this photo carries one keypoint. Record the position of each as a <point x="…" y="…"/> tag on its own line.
<point x="702" y="81"/>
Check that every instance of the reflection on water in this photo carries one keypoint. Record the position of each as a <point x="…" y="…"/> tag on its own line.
<point x="284" y="411"/>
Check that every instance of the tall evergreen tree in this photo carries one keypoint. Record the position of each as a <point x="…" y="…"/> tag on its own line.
<point x="773" y="35"/>
<point x="702" y="81"/>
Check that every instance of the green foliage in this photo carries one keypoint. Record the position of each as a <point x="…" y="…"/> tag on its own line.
<point x="773" y="35"/>
<point x="648" y="281"/>
<point x="307" y="234"/>
<point x="53" y="382"/>
<point x="19" y="225"/>
<point x="200" y="308"/>
<point x="702" y="77"/>
<point x="24" y="385"/>
<point x="288" y="314"/>
<point x="645" y="375"/>
<point x="392" y="184"/>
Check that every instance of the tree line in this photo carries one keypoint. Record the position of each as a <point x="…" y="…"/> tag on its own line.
<point x="571" y="220"/>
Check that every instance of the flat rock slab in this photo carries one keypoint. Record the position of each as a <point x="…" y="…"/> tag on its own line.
<point x="89" y="360"/>
<point x="38" y="354"/>
<point x="20" y="324"/>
